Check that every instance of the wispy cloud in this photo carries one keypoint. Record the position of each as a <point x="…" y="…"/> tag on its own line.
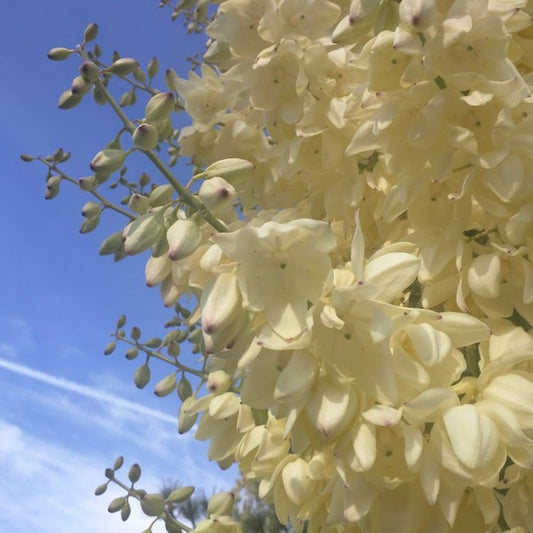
<point x="88" y="392"/>
<point x="48" y="488"/>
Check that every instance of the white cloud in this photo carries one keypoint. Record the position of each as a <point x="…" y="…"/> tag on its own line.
<point x="58" y="436"/>
<point x="89" y="392"/>
<point x="46" y="487"/>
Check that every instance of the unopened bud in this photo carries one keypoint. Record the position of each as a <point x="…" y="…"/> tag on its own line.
<point x="221" y="303"/>
<point x="184" y="237"/>
<point x="99" y="96"/>
<point x="145" y="137"/>
<point x="90" y="209"/>
<point x="159" y="107"/>
<point x="131" y="353"/>
<point x="134" y="473"/>
<point x="221" y="504"/>
<point x="153" y="342"/>
<point x="180" y="495"/>
<point x="80" y="86"/>
<point x="186" y="420"/>
<point x="218" y="382"/>
<point x="68" y="100"/>
<point x="88" y="183"/>
<point x="216" y="192"/>
<point x="138" y="203"/>
<point x="156" y="270"/>
<point x="90" y="33"/>
<point x="89" y="224"/>
<point x="143" y="233"/>
<point x="170" y="79"/>
<point x="153" y="504"/>
<point x="123" y="66"/>
<point x="231" y="168"/>
<point x="110" y="348"/>
<point x="117" y="504"/>
<point x="89" y="71"/>
<point x="161" y="195"/>
<point x="52" y="187"/>
<point x="153" y="67"/>
<point x="100" y="489"/>
<point x="58" y="54"/>
<point x="139" y="75"/>
<point x="165" y="386"/>
<point x="125" y="511"/>
<point x="27" y="158"/>
<point x="142" y="375"/>
<point x="108" y="160"/>
<point x="184" y="388"/>
<point x="111" y="244"/>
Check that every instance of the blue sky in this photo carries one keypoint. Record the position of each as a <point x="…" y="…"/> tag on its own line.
<point x="67" y="410"/>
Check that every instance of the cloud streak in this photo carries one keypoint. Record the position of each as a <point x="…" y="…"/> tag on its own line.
<point x="86" y="391"/>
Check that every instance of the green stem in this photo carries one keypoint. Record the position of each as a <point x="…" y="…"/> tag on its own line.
<point x="160" y="356"/>
<point x="186" y="196"/>
<point x="104" y="201"/>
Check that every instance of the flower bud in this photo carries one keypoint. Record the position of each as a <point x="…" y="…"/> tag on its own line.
<point x="184" y="388"/>
<point x="180" y="495"/>
<point x="52" y="187"/>
<point x="153" y="67"/>
<point x="123" y="66"/>
<point x="161" y="195"/>
<point x="111" y="244"/>
<point x="80" y="86"/>
<point x="170" y="79"/>
<point x="98" y="96"/>
<point x="153" y="342"/>
<point x="216" y="192"/>
<point x="134" y="473"/>
<point x="156" y="270"/>
<point x="145" y="136"/>
<point x="100" y="489"/>
<point x="153" y="504"/>
<point x="218" y="382"/>
<point x="89" y="71"/>
<point x="159" y="106"/>
<point x="221" y="303"/>
<point x="139" y="75"/>
<point x="90" y="33"/>
<point x="110" y="348"/>
<point x="131" y="353"/>
<point x="165" y="386"/>
<point x="108" y="160"/>
<point x="221" y="504"/>
<point x="90" y="209"/>
<point x="88" y="183"/>
<point x="139" y="203"/>
<point x="184" y="237"/>
<point x="125" y="511"/>
<point x="142" y="375"/>
<point x="89" y="224"/>
<point x="117" y="504"/>
<point x="68" y="100"/>
<point x="58" y="54"/>
<point x="231" y="168"/>
<point x="27" y="158"/>
<point x="186" y="420"/>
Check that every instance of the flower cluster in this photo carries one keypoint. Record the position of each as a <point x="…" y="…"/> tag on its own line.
<point x="361" y="257"/>
<point x="360" y="314"/>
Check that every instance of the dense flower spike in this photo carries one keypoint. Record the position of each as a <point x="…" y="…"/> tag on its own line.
<point x="365" y="316"/>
